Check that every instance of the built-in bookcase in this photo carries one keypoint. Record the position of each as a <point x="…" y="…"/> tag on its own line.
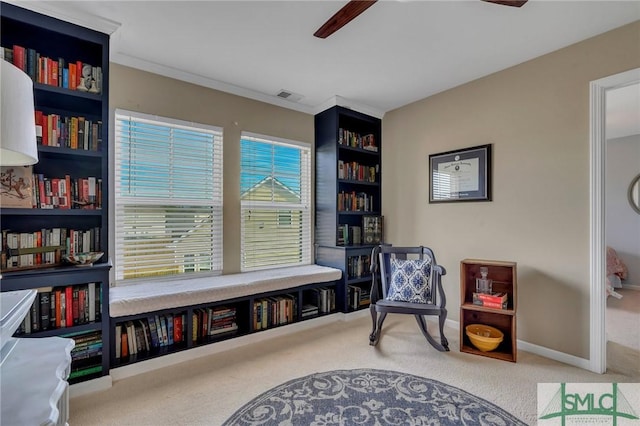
<point x="348" y="177"/>
<point x="159" y="333"/>
<point x="71" y="186"/>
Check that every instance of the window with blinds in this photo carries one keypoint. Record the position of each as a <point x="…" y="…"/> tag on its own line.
<point x="275" y="193"/>
<point x="168" y="197"/>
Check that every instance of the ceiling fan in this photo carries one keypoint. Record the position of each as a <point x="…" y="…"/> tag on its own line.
<point x="355" y="7"/>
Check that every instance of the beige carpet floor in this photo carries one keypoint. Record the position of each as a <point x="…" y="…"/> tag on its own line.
<point x="206" y="391"/>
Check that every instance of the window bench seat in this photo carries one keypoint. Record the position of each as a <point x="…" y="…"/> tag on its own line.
<point x="149" y="297"/>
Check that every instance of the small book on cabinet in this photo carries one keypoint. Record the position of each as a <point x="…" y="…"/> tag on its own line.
<point x="492" y="300"/>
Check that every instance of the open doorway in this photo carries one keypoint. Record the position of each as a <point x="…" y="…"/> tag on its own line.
<point x="622" y="229"/>
<point x="598" y="138"/>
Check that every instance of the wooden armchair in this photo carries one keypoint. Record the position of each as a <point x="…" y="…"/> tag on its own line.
<point x="410" y="282"/>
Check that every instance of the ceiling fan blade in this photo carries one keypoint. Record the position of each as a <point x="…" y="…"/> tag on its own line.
<point x="514" y="3"/>
<point x="343" y="17"/>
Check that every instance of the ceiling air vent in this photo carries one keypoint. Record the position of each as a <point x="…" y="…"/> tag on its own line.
<point x="288" y="95"/>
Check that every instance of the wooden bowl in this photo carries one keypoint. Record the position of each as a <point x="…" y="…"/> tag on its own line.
<point x="484" y="337"/>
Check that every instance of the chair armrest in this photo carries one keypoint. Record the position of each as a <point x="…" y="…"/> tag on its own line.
<point x="375" y="272"/>
<point x="439" y="271"/>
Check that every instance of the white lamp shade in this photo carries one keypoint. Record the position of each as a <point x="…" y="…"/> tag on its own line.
<point x="18" y="145"/>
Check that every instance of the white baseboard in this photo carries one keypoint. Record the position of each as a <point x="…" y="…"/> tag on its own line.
<point x="555" y="355"/>
<point x="90" y="386"/>
<point x="631" y="287"/>
<point x="541" y="350"/>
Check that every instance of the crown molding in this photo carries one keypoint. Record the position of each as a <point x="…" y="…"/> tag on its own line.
<point x="346" y="103"/>
<point x="83" y="19"/>
<point x="149" y="66"/>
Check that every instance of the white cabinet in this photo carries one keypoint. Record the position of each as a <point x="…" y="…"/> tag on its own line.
<point x="33" y="388"/>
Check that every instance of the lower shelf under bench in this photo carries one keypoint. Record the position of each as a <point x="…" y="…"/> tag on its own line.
<point x="154" y="334"/>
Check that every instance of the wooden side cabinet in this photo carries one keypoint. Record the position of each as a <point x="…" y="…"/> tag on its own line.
<point x="504" y="277"/>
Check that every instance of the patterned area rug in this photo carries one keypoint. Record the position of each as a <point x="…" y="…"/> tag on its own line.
<point x="368" y="397"/>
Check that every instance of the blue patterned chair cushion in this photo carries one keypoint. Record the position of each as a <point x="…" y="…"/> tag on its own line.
<point x="410" y="280"/>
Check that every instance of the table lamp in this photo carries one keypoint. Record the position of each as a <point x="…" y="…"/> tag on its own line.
<point x="18" y="145"/>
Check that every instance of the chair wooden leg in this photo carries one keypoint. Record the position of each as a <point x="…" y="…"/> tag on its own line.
<point x="441" y="319"/>
<point x="423" y="327"/>
<point x="373" y="340"/>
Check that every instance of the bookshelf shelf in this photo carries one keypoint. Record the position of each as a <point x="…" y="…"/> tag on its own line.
<point x="337" y="163"/>
<point x="63" y="43"/>
<point x="50" y="212"/>
<point x="504" y="276"/>
<point x="57" y="152"/>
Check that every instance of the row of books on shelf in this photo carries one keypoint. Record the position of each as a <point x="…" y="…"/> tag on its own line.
<point x="349" y="235"/>
<point x="68" y="132"/>
<point x="213" y="321"/>
<point x="45" y="246"/>
<point x="325" y="299"/>
<point x="86" y="356"/>
<point x="143" y="335"/>
<point x="358" y="266"/>
<point x="272" y="311"/>
<point x="73" y="75"/>
<point x="21" y="188"/>
<point x="356" y="140"/>
<point x="62" y="307"/>
<point x="355" y="201"/>
<point x="491" y="300"/>
<point x="323" y="302"/>
<point x="358" y="297"/>
<point x="354" y="171"/>
<point x="67" y="193"/>
<point x="156" y="331"/>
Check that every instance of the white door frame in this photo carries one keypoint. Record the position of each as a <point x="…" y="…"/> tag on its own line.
<point x="597" y="103"/>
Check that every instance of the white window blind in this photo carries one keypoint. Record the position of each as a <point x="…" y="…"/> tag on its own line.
<point x="275" y="186"/>
<point x="168" y="197"/>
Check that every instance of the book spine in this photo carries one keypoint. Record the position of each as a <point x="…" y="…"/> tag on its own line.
<point x="69" y="306"/>
<point x="45" y="306"/>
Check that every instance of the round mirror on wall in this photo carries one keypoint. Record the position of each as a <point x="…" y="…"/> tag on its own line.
<point x="634" y="194"/>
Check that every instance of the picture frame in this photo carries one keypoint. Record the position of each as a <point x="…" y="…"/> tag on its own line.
<point x="16" y="187"/>
<point x="460" y="175"/>
<point x="372" y="230"/>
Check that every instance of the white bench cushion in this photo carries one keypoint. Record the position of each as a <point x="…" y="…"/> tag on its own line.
<point x="149" y="297"/>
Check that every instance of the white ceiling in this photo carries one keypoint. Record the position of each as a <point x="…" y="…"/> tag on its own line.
<point x="393" y="54"/>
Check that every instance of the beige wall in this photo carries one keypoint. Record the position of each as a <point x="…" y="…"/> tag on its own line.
<point x="148" y="93"/>
<point x="536" y="115"/>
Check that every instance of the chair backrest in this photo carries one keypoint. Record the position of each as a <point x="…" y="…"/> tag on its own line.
<point x="385" y="254"/>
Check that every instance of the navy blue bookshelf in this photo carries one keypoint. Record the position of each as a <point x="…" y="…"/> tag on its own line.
<point x="53" y="38"/>
<point x="332" y="150"/>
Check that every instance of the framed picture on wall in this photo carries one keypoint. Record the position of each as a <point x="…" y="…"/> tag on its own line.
<point x="460" y="175"/>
